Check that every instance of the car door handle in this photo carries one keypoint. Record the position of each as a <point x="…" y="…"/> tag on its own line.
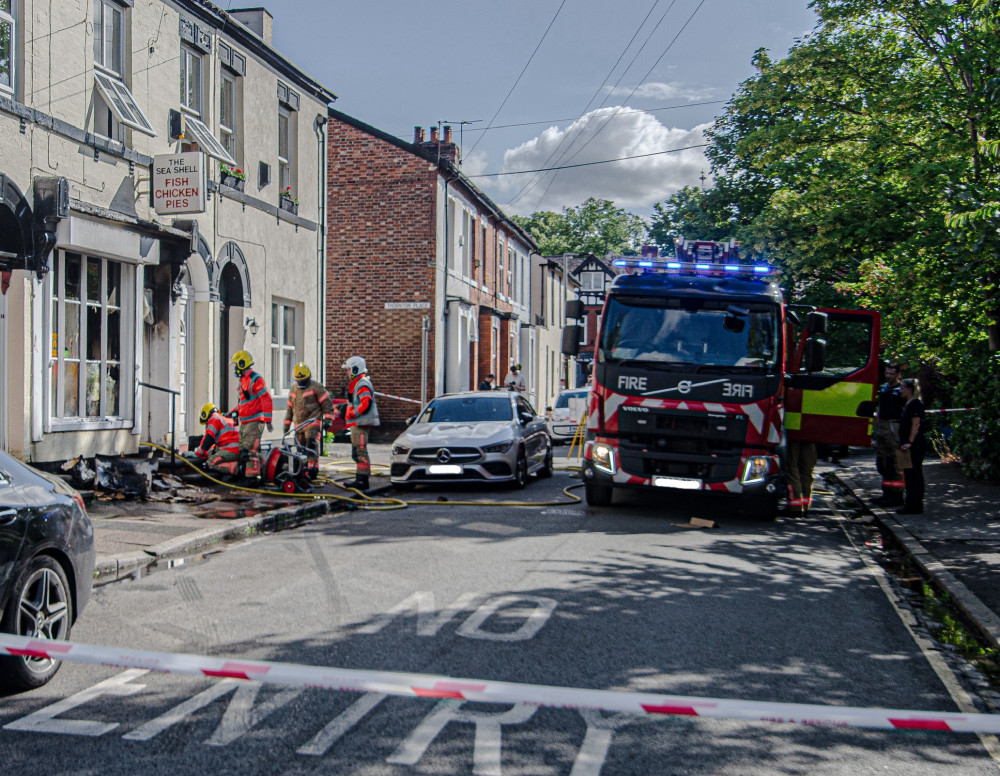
<point x="8" y="516"/>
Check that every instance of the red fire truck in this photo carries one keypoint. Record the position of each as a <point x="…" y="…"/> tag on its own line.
<point x="702" y="372"/>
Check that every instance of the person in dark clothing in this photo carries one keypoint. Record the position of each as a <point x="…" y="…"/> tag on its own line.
<point x="890" y="407"/>
<point x="913" y="439"/>
<point x="487" y="384"/>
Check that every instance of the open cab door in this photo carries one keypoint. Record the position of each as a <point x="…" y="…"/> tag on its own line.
<point x="822" y="406"/>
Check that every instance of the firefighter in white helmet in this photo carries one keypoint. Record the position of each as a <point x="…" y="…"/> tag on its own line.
<point x="361" y="417"/>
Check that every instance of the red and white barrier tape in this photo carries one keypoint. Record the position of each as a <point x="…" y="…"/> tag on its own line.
<point x="429" y="686"/>
<point x="951" y="409"/>
<point x="401" y="398"/>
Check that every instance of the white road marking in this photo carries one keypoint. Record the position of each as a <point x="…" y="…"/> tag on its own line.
<point x="536" y="619"/>
<point x="486" y="751"/>
<point x="44" y="720"/>
<point x="594" y="749"/>
<point x="334" y="731"/>
<point x="428" y="623"/>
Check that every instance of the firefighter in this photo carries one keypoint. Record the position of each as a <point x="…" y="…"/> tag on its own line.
<point x="890" y="409"/>
<point x="310" y="408"/>
<point x="361" y="417"/>
<point x="220" y="444"/>
<point x="254" y="412"/>
<point x="800" y="461"/>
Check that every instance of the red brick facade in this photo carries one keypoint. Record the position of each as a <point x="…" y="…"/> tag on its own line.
<point x="382" y="246"/>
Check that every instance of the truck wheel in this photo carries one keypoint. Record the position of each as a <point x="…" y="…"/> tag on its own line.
<point x="598" y="493"/>
<point x="764" y="510"/>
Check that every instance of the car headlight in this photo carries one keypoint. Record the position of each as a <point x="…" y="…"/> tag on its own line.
<point x="499" y="447"/>
<point x="400" y="450"/>
<point x="603" y="457"/>
<point x="756" y="469"/>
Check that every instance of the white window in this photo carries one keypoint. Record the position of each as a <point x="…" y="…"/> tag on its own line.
<point x="197" y="132"/>
<point x="109" y="37"/>
<point x="91" y="335"/>
<point x="500" y="273"/>
<point x="117" y="100"/>
<point x="8" y="44"/>
<point x="592" y="282"/>
<point x="227" y="113"/>
<point x="284" y="149"/>
<point x="191" y="79"/>
<point x="284" y="344"/>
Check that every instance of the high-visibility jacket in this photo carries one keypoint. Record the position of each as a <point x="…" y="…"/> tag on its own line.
<point x="309" y="406"/>
<point x="220" y="432"/>
<point x="255" y="400"/>
<point x="361" y="410"/>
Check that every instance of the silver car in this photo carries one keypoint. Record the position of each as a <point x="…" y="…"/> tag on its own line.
<point x="476" y="436"/>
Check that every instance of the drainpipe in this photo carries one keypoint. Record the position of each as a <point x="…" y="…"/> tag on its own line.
<point x="319" y="128"/>
<point x="444" y="324"/>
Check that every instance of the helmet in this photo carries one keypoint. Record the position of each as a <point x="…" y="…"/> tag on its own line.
<point x="301" y="371"/>
<point x="206" y="412"/>
<point x="242" y="359"/>
<point x="355" y="365"/>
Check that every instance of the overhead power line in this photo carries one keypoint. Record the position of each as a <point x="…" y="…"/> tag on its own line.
<point x="587" y="164"/>
<point x="577" y="118"/>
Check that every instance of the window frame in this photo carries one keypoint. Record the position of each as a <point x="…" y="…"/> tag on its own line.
<point x="281" y="350"/>
<point x="285" y="162"/>
<point x="57" y="416"/>
<point x="207" y="142"/>
<point x="119" y="101"/>
<point x="190" y="54"/>
<point x="9" y="18"/>
<point x="229" y="133"/>
<point x="100" y="24"/>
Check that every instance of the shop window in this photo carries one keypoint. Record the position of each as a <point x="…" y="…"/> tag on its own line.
<point x="285" y="353"/>
<point x="88" y="329"/>
<point x="8" y="44"/>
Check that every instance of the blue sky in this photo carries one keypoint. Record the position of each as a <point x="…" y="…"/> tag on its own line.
<point x="608" y="80"/>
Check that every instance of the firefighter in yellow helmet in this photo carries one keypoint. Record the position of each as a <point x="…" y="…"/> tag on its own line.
<point x="220" y="444"/>
<point x="253" y="409"/>
<point x="310" y="408"/>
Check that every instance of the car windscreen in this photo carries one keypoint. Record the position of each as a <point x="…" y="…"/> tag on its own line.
<point x="689" y="331"/>
<point x="562" y="401"/>
<point x="467" y="409"/>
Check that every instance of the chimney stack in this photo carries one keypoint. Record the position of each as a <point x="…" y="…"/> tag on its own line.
<point x="258" y="20"/>
<point x="443" y="147"/>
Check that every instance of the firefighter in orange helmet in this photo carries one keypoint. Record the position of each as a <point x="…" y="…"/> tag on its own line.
<point x="220" y="444"/>
<point x="361" y="416"/>
<point x="310" y="408"/>
<point x="254" y="412"/>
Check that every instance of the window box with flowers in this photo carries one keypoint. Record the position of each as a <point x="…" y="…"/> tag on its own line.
<point x="233" y="177"/>
<point x="288" y="202"/>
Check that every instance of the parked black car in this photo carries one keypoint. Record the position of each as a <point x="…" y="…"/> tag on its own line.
<point x="46" y="565"/>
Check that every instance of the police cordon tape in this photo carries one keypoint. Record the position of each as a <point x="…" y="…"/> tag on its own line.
<point x="485" y="691"/>
<point x="401" y="398"/>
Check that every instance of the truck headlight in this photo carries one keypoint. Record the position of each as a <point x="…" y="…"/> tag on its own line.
<point x="603" y="457"/>
<point x="756" y="469"/>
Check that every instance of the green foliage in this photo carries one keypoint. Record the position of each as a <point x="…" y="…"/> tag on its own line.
<point x="597" y="226"/>
<point x="976" y="435"/>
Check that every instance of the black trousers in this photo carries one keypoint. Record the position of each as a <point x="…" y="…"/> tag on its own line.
<point x="914" y="479"/>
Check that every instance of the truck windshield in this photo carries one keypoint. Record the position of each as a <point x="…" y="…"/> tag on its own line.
<point x="685" y="331"/>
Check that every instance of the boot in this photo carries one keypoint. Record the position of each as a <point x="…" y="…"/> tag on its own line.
<point x="360" y="482"/>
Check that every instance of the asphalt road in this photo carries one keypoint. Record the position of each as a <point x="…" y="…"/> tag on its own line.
<point x="628" y="597"/>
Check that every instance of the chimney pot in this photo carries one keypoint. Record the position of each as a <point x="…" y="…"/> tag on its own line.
<point x="418" y="135"/>
<point x="447" y="134"/>
<point x="434" y="134"/>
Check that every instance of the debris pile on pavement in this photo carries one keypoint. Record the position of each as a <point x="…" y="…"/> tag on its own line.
<point x="120" y="477"/>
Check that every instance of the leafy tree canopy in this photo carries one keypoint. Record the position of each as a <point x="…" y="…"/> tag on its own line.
<point x="597" y="226"/>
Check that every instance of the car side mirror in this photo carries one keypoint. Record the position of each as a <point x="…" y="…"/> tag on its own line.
<point x="815" y="354"/>
<point x="409" y="420"/>
<point x="526" y="417"/>
<point x="866" y="409"/>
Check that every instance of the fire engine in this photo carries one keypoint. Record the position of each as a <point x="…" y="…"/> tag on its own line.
<point x="702" y="373"/>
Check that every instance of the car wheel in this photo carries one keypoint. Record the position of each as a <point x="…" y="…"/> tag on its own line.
<point x="521" y="470"/>
<point x="546" y="470"/>
<point x="40" y="607"/>
<point x="598" y="493"/>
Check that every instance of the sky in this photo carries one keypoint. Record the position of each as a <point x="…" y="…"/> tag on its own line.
<point x="544" y="83"/>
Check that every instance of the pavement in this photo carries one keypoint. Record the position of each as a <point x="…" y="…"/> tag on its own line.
<point x="955" y="543"/>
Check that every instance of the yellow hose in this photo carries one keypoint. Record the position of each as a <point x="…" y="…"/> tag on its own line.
<point x="364" y="501"/>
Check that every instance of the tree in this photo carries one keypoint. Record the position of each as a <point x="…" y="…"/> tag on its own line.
<point x="597" y="226"/>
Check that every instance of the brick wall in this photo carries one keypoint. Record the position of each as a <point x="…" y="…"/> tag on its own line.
<point x="380" y="248"/>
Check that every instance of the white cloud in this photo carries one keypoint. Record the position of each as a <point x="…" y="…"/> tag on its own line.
<point x="635" y="183"/>
<point x="658" y="90"/>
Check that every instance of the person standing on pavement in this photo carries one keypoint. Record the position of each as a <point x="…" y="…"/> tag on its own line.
<point x="912" y="439"/>
<point x="800" y="461"/>
<point x="310" y="408"/>
<point x="220" y="444"/>
<point x="514" y="381"/>
<point x="487" y="383"/>
<point x="253" y="409"/>
<point x="889" y="410"/>
<point x="361" y="416"/>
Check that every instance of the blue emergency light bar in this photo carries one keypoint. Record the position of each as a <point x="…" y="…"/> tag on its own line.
<point x="700" y="268"/>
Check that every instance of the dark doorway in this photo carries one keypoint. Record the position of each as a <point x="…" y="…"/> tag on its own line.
<point x="230" y="296"/>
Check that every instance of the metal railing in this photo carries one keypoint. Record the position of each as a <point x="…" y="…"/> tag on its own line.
<point x="173" y="416"/>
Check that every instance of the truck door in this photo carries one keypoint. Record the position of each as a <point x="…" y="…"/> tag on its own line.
<point x="821" y="406"/>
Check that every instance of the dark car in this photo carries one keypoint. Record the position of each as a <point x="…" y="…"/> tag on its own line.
<point x="47" y="559"/>
<point x="478" y="436"/>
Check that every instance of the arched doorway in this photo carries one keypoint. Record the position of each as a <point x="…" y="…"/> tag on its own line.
<point x="233" y="287"/>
